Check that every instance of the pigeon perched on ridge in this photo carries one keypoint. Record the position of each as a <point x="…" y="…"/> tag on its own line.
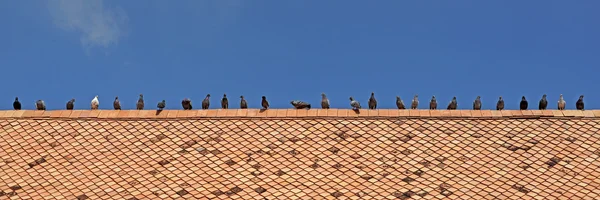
<point x="500" y="104"/>
<point x="400" y="103"/>
<point x="433" y="103"/>
<point x="264" y="103"/>
<point x="140" y="103"/>
<point x="206" y="102"/>
<point x="17" y="104"/>
<point x="543" y="103"/>
<point x="354" y="104"/>
<point x="415" y="102"/>
<point x="71" y="104"/>
<point x="224" y="102"/>
<point x="372" y="101"/>
<point x="186" y="104"/>
<point x="523" y="105"/>
<point x="243" y="103"/>
<point x="300" y="104"/>
<point x="579" y="103"/>
<point x="561" y="103"/>
<point x="477" y="103"/>
<point x="117" y="103"/>
<point x="324" y="101"/>
<point x="95" y="103"/>
<point x="40" y="105"/>
<point x="453" y="104"/>
<point x="161" y="105"/>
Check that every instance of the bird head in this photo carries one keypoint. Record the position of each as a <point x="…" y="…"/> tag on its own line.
<point x="242" y="96"/>
<point x="416" y="96"/>
<point x="96" y="97"/>
<point x="117" y="97"/>
<point x="561" y="96"/>
<point x="292" y="102"/>
<point x="73" y="100"/>
<point x="208" y="95"/>
<point x="372" y="93"/>
<point x="141" y="95"/>
<point x="264" y="97"/>
<point x="397" y="97"/>
<point x="453" y="98"/>
<point x="433" y="97"/>
<point x="523" y="98"/>
<point x="500" y="98"/>
<point x="544" y="96"/>
<point x="16" y="98"/>
<point x="164" y="101"/>
<point x="224" y="95"/>
<point x="351" y="98"/>
<point x="581" y="97"/>
<point x="322" y="94"/>
<point x="478" y="97"/>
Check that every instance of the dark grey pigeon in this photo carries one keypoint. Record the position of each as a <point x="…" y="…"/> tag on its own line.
<point x="140" y="103"/>
<point x="17" y="104"/>
<point x="523" y="105"/>
<point x="161" y="105"/>
<point x="579" y="103"/>
<point x="40" y="105"/>
<point x="354" y="104"/>
<point x="71" y="104"/>
<point x="372" y="101"/>
<point x="243" y="103"/>
<point x="300" y="104"/>
<point x="264" y="103"/>
<point x="186" y="104"/>
<point x="324" y="101"/>
<point x="543" y="103"/>
<point x="224" y="102"/>
<point x="500" y="104"/>
<point x="117" y="104"/>
<point x="477" y="103"/>
<point x="206" y="102"/>
<point x="433" y="103"/>
<point x="453" y="104"/>
<point x="400" y="103"/>
<point x="561" y="103"/>
<point x="415" y="102"/>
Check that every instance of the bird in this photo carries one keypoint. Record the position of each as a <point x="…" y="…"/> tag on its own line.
<point x="95" y="103"/>
<point x="17" y="104"/>
<point x="523" y="105"/>
<point x="415" y="102"/>
<point x="400" y="103"/>
<point x="543" y="103"/>
<point x="186" y="104"/>
<point x="579" y="103"/>
<point x="453" y="104"/>
<point x="117" y="103"/>
<point x="206" y="102"/>
<point x="71" y="104"/>
<point x="224" y="102"/>
<point x="372" y="101"/>
<point x="477" y="103"/>
<point x="561" y="103"/>
<point x="300" y="104"/>
<point x="243" y="103"/>
<point x="354" y="104"/>
<point x="324" y="101"/>
<point x="140" y="103"/>
<point x="40" y="105"/>
<point x="433" y="103"/>
<point x="500" y="104"/>
<point x="264" y="103"/>
<point x="161" y="105"/>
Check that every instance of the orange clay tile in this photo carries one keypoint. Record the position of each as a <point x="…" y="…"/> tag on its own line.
<point x="588" y="113"/>
<point x="487" y="113"/>
<point x="332" y="112"/>
<point x="211" y="113"/>
<point x="557" y="113"/>
<point x="414" y="113"/>
<point x="455" y="113"/>
<point x="465" y="113"/>
<point x="403" y="113"/>
<point x="476" y="113"/>
<point x="424" y="113"/>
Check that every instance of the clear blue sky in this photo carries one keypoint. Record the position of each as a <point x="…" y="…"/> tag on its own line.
<point x="287" y="50"/>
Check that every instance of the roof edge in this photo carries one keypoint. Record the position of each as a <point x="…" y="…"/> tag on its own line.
<point x="294" y="113"/>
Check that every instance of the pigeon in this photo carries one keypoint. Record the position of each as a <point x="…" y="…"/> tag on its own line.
<point x="433" y="103"/>
<point x="70" y="104"/>
<point x="477" y="103"/>
<point x="40" y="105"/>
<point x="543" y="103"/>
<point x="140" y="103"/>
<point x="400" y="103"/>
<point x="186" y="104"/>
<point x="224" y="102"/>
<point x="372" y="101"/>
<point x="300" y="104"/>
<point x="95" y="103"/>
<point x="243" y="103"/>
<point x="415" y="102"/>
<point x="264" y="103"/>
<point x="500" y="104"/>
<point x="206" y="102"/>
<point x="17" y="104"/>
<point x="324" y="101"/>
<point x="453" y="104"/>
<point x="579" y="103"/>
<point x="117" y="103"/>
<point x="523" y="105"/>
<point x="355" y="104"/>
<point x="561" y="103"/>
<point x="161" y="105"/>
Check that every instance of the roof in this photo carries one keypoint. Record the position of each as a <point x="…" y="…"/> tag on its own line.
<point x="290" y="154"/>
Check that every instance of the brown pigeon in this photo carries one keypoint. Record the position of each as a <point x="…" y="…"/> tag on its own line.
<point x="433" y="103"/>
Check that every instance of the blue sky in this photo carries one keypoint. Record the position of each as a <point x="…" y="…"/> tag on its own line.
<point x="287" y="50"/>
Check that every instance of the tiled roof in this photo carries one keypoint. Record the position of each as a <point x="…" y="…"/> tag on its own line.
<point x="300" y="154"/>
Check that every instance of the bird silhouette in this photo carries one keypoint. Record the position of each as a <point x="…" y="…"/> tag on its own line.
<point x="400" y="103"/>
<point x="415" y="102"/>
<point x="543" y="103"/>
<point x="224" y="102"/>
<point x="71" y="104"/>
<point x="300" y="104"/>
<point x="500" y="104"/>
<point x="161" y="105"/>
<point x="117" y="103"/>
<point x="40" y="105"/>
<point x="433" y="103"/>
<point x="453" y="104"/>
<point x="354" y="104"/>
<point x="372" y="101"/>
<point x="579" y="103"/>
<point x="17" y="104"/>
<point x="523" y="105"/>
<point x="186" y="104"/>
<point x="264" y="103"/>
<point x="477" y="103"/>
<point x="243" y="103"/>
<point x="206" y="102"/>
<point x="140" y="103"/>
<point x="324" y="101"/>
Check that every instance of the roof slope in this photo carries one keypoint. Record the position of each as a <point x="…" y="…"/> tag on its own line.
<point x="111" y="155"/>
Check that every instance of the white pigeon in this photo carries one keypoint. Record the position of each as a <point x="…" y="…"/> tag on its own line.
<point x="95" y="103"/>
